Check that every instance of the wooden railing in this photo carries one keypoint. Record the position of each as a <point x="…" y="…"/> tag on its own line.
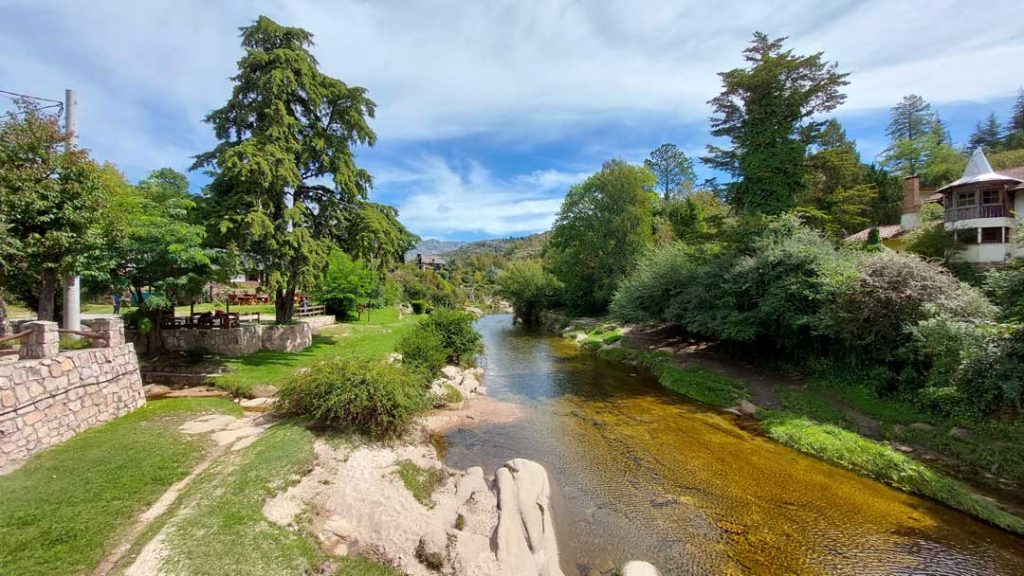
<point x="91" y="335"/>
<point x="969" y="212"/>
<point x="318" y="310"/>
<point x="16" y="336"/>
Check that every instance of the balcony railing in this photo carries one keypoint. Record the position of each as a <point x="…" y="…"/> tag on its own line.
<point x="969" y="212"/>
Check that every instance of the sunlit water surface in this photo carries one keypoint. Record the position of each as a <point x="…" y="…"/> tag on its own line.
<point x="639" y="473"/>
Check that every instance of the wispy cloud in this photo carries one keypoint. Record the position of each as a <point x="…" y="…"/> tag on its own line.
<point x="525" y="74"/>
<point x="441" y="199"/>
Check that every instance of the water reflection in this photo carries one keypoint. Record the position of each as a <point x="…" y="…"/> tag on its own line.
<point x="640" y="473"/>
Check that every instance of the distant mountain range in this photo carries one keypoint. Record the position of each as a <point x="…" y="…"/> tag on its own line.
<point x="513" y="248"/>
<point x="432" y="246"/>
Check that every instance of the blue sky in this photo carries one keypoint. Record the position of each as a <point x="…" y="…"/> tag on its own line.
<point x="488" y="111"/>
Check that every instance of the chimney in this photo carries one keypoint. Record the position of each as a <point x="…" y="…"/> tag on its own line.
<point x="912" y="195"/>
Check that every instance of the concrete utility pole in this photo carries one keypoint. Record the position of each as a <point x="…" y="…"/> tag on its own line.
<point x="72" y="283"/>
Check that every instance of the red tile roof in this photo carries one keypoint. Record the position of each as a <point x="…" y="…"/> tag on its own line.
<point x="886" y="232"/>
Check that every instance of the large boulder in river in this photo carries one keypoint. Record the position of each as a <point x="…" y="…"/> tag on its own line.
<point x="526" y="535"/>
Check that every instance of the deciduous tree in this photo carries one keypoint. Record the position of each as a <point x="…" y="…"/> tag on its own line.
<point x="767" y="111"/>
<point x="50" y="198"/>
<point x="602" y="228"/>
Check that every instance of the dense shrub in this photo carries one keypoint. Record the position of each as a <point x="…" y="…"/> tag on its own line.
<point x="373" y="398"/>
<point x="770" y="288"/>
<point x="455" y="329"/>
<point x="894" y="292"/>
<point x="972" y="367"/>
<point x="419" y="306"/>
<point x="345" y="284"/>
<point x="423" y="351"/>
<point x="529" y="288"/>
<point x="1005" y="287"/>
<point x="444" y="336"/>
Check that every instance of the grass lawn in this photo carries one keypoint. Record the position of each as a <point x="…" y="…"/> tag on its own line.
<point x="217" y="526"/>
<point x="373" y="339"/>
<point x="63" y="508"/>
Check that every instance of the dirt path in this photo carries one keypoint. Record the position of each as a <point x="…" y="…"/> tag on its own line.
<point x="228" y="433"/>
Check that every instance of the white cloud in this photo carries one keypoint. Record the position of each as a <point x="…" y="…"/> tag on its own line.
<point x="441" y="199"/>
<point x="512" y="68"/>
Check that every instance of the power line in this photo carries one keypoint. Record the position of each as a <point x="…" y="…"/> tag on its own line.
<point x="53" y="103"/>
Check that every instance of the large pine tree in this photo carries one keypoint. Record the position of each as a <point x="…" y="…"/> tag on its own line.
<point x="286" y="129"/>
<point x="767" y="112"/>
<point x="1014" y="138"/>
<point x="911" y="118"/>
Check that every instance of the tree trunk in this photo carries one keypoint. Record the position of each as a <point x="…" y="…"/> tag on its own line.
<point x="46" y="295"/>
<point x="284" y="305"/>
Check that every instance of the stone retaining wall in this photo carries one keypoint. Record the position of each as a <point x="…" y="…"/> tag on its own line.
<point x="233" y="342"/>
<point x="48" y="396"/>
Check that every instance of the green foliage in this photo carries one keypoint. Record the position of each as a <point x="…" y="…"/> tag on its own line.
<point x="151" y="243"/>
<point x="700" y="217"/>
<point x="370" y="397"/>
<point x="920" y="145"/>
<point x="602" y="228"/>
<point x="672" y="169"/>
<point x="840" y="190"/>
<point x="101" y="478"/>
<point x="694" y="381"/>
<point x="878" y="461"/>
<point x="421" y="482"/>
<point x="892" y="293"/>
<point x="196" y="354"/>
<point x="454" y="328"/>
<point x="769" y="111"/>
<point x="345" y="284"/>
<point x="932" y="241"/>
<point x="452" y="395"/>
<point x="1005" y="286"/>
<point x="287" y="128"/>
<point x="419" y="307"/>
<point x="529" y="288"/>
<point x="987" y="135"/>
<point x="425" y="285"/>
<point x="50" y="202"/>
<point x="973" y="368"/>
<point x="423" y="351"/>
<point x="771" y="287"/>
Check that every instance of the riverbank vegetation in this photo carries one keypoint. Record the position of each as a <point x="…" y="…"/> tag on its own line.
<point x="377" y="399"/>
<point x="903" y="345"/>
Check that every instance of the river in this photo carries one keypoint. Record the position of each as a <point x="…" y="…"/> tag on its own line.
<point x="640" y="473"/>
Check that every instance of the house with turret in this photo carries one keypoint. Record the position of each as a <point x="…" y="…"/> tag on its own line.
<point x="982" y="208"/>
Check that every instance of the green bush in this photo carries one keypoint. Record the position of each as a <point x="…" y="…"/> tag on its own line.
<point x="423" y="351"/>
<point x="373" y="398"/>
<point x="1005" y="287"/>
<point x="455" y="330"/>
<point x="529" y="288"/>
<point x="419" y="306"/>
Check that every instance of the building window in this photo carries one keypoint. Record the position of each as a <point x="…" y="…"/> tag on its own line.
<point x="992" y="235"/>
<point x="990" y="197"/>
<point x="967" y="235"/>
<point x="965" y="199"/>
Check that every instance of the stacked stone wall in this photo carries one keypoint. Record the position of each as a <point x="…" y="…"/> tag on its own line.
<point x="235" y="342"/>
<point x="48" y="396"/>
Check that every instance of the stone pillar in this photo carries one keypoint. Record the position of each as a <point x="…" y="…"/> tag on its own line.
<point x="43" y="342"/>
<point x="111" y="329"/>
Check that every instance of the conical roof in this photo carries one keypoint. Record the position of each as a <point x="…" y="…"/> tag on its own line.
<point x="979" y="170"/>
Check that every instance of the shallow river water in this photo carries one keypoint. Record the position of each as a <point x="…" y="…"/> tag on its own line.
<point x="639" y="473"/>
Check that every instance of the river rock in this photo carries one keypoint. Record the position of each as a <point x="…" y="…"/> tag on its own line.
<point x="155" y="390"/>
<point x="638" y="568"/>
<point x="748" y="408"/>
<point x="526" y="535"/>
<point x="960" y="433"/>
<point x="452" y="373"/>
<point x="257" y="404"/>
<point x="922" y="426"/>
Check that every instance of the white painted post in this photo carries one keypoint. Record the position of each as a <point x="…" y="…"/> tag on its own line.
<point x="72" y="283"/>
